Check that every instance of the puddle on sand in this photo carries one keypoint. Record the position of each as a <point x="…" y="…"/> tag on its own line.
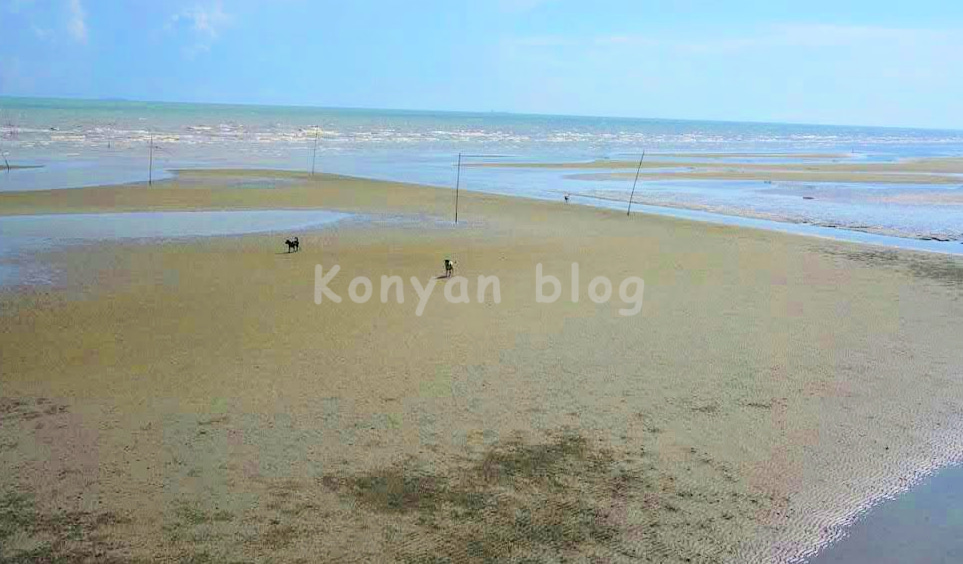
<point x="22" y="236"/>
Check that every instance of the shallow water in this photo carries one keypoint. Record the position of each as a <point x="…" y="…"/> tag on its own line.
<point x="923" y="525"/>
<point x="951" y="247"/>
<point x="21" y="237"/>
<point x="905" y="210"/>
<point x="77" y="172"/>
<point x="106" y="226"/>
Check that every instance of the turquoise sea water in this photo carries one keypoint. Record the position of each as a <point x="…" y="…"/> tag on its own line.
<point x="83" y="143"/>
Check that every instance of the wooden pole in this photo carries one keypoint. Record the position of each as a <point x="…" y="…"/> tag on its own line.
<point x="150" y="166"/>
<point x="314" y="156"/>
<point x="637" y="172"/>
<point x="2" y="152"/>
<point x="457" y="186"/>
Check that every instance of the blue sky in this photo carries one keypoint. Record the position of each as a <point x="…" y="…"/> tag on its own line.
<point x="818" y="61"/>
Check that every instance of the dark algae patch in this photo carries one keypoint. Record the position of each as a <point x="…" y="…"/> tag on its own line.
<point x="943" y="269"/>
<point x="525" y="502"/>
<point x="64" y="536"/>
<point x="517" y="500"/>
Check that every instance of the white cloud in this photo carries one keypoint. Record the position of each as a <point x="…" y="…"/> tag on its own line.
<point x="76" y="21"/>
<point x="823" y="35"/>
<point x="820" y="36"/>
<point x="41" y="33"/>
<point x="204" y="23"/>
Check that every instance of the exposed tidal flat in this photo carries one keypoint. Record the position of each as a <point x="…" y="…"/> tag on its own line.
<point x="745" y="161"/>
<point x="909" y="198"/>
<point x="186" y="398"/>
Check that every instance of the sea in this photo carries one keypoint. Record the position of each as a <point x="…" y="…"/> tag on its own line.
<point x="76" y="143"/>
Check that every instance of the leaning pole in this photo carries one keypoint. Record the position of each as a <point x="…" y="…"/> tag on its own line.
<point x="314" y="155"/>
<point x="637" y="171"/>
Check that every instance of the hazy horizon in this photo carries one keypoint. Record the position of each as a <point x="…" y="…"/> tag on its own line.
<point x="467" y="112"/>
<point x="863" y="63"/>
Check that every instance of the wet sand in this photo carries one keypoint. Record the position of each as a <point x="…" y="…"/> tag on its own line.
<point x="609" y="197"/>
<point x="774" y="175"/>
<point x="188" y="399"/>
<point x="815" y="156"/>
<point x="915" y="171"/>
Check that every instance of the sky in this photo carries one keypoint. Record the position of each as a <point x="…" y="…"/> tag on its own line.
<point x="854" y="62"/>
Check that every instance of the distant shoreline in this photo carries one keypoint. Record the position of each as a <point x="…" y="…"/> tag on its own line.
<point x="464" y="112"/>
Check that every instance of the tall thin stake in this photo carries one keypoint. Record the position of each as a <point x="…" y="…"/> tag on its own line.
<point x="314" y="156"/>
<point x="150" y="166"/>
<point x="2" y="152"/>
<point x="457" y="186"/>
<point x="637" y="172"/>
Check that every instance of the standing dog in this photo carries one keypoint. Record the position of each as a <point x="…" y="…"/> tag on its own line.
<point x="294" y="245"/>
<point x="449" y="268"/>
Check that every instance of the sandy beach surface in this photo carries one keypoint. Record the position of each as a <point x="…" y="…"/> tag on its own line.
<point x="187" y="399"/>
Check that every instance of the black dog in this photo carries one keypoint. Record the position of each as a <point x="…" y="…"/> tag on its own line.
<point x="294" y="245"/>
